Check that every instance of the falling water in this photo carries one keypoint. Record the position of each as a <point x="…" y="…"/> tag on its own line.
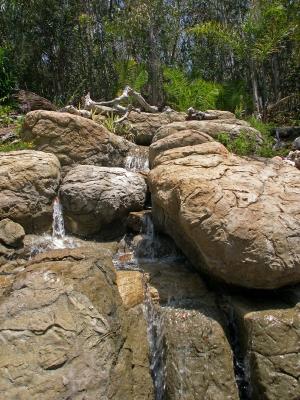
<point x="155" y="333"/>
<point x="58" y="239"/>
<point x="137" y="162"/>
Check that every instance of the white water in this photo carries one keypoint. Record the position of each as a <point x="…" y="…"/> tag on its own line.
<point x="137" y="162"/>
<point x="156" y="338"/>
<point x="58" y="239"/>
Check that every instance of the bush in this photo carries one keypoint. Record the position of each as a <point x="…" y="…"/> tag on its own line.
<point x="7" y="78"/>
<point x="182" y="92"/>
<point x="243" y="145"/>
<point x="15" y="146"/>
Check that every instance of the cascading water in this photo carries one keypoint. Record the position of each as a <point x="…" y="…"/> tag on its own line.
<point x="137" y="162"/>
<point x="156" y="338"/>
<point x="58" y="239"/>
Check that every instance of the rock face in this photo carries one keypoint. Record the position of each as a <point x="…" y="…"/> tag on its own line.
<point x="144" y="125"/>
<point x="236" y="219"/>
<point x="234" y="127"/>
<point x="74" y="139"/>
<point x="28" y="184"/>
<point x="270" y="334"/>
<point x="65" y="332"/>
<point x="95" y="198"/>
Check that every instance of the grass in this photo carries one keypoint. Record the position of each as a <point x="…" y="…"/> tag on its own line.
<point x="120" y="129"/>
<point x="246" y="145"/>
<point x="15" y="146"/>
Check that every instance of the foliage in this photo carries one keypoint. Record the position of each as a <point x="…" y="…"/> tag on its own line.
<point x="20" y="145"/>
<point x="121" y="129"/>
<point x="246" y="145"/>
<point x="182" y="92"/>
<point x="131" y="73"/>
<point x="5" y="119"/>
<point x="242" y="145"/>
<point x="7" y="78"/>
<point x="235" y="97"/>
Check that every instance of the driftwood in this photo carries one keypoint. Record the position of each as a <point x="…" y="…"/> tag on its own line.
<point x="114" y="104"/>
<point x="193" y="114"/>
<point x="75" y="111"/>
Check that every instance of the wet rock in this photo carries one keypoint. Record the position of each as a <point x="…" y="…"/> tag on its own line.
<point x="270" y="333"/>
<point x="65" y="331"/>
<point x="74" y="139"/>
<point x="131" y="285"/>
<point x="28" y="184"/>
<point x="95" y="198"/>
<point x="197" y="356"/>
<point x="11" y="234"/>
<point x="136" y="220"/>
<point x="235" y="218"/>
<point x="213" y="128"/>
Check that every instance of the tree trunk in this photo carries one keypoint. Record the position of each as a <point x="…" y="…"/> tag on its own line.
<point x="256" y="98"/>
<point x="155" y="96"/>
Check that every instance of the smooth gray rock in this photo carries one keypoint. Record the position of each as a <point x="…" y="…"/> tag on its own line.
<point x="97" y="198"/>
<point x="11" y="234"/>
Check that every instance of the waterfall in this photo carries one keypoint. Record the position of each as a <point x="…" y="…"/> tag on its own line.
<point x="137" y="162"/>
<point x="58" y="227"/>
<point x="58" y="238"/>
<point x="155" y="333"/>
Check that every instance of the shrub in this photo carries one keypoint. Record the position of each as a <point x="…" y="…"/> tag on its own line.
<point x="182" y="92"/>
<point x="7" y="78"/>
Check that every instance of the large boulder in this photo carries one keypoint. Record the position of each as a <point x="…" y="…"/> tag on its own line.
<point x="65" y="333"/>
<point x="74" y="139"/>
<point x="98" y="199"/>
<point x="28" y="184"/>
<point x="233" y="127"/>
<point x="235" y="218"/>
<point x="144" y="125"/>
<point x="270" y="340"/>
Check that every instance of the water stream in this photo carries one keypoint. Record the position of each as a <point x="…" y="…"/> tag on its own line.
<point x="58" y="239"/>
<point x="137" y="162"/>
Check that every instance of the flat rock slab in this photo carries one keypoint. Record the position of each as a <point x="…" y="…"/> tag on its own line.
<point x="28" y="184"/>
<point x="237" y="219"/>
<point x="95" y="198"/>
<point x="74" y="139"/>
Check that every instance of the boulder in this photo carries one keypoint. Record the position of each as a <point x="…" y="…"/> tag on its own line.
<point x="11" y="234"/>
<point x="178" y="139"/>
<point x="144" y="125"/>
<point x="64" y="331"/>
<point x="236" y="219"/>
<point x="198" y="361"/>
<point x="74" y="139"/>
<point x="270" y="337"/>
<point x="28" y="184"/>
<point x="213" y="128"/>
<point x="98" y="199"/>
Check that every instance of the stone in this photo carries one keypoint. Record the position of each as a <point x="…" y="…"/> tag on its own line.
<point x="144" y="125"/>
<point x="270" y="336"/>
<point x="65" y="332"/>
<point x="179" y="139"/>
<point x="213" y="128"/>
<point x="97" y="199"/>
<point x="131" y="287"/>
<point x="136" y="220"/>
<point x="198" y="358"/>
<point x="29" y="182"/>
<point x="236" y="219"/>
<point x="74" y="139"/>
<point x="11" y="234"/>
<point x="296" y="144"/>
